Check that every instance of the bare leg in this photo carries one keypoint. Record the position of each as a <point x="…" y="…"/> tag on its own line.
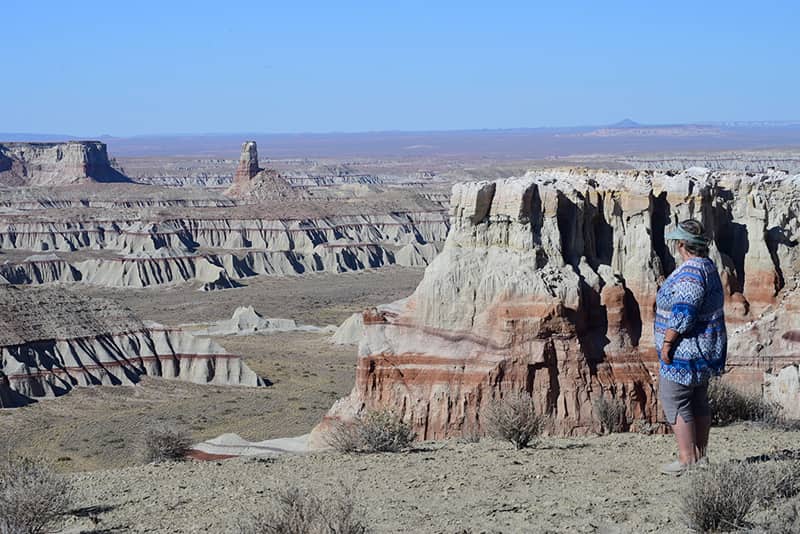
<point x="685" y="436"/>
<point x="702" y="426"/>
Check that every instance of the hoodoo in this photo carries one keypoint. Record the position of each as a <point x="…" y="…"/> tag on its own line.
<point x="248" y="163"/>
<point x="546" y="284"/>
<point x="47" y="164"/>
<point x="254" y="183"/>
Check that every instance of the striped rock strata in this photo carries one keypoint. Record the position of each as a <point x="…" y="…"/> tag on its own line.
<point x="54" y="340"/>
<point x="546" y="284"/>
<point x="210" y="271"/>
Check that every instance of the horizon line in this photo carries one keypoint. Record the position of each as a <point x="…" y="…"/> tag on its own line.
<point x="731" y="123"/>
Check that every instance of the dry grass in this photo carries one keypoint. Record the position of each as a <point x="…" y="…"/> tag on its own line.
<point x="611" y="413"/>
<point x="377" y="431"/>
<point x="32" y="497"/>
<point x="513" y="418"/>
<point x="163" y="443"/>
<point x="296" y="511"/>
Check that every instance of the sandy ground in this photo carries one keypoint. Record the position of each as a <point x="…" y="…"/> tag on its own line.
<point x="596" y="484"/>
<point x="316" y="298"/>
<point x="92" y="428"/>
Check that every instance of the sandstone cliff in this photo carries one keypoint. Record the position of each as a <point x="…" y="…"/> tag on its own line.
<point x="39" y="164"/>
<point x="54" y="340"/>
<point x="547" y="284"/>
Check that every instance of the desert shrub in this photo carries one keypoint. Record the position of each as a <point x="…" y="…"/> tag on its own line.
<point x="295" y="511"/>
<point x="645" y="427"/>
<point x="376" y="431"/>
<point x="162" y="443"/>
<point x="514" y="418"/>
<point x="611" y="414"/>
<point x="778" y="480"/>
<point x="719" y="498"/>
<point x="32" y="497"/>
<point x="470" y="436"/>
<point x="784" y="520"/>
<point x="729" y="405"/>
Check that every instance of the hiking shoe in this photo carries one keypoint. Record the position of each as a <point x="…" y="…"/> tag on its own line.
<point x="675" y="468"/>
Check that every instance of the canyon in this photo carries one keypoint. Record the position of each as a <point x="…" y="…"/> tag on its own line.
<point x="543" y="282"/>
<point x="64" y="234"/>
<point x="161" y="236"/>
<point x="202" y="291"/>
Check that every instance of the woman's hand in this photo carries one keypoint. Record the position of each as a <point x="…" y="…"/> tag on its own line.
<point x="666" y="352"/>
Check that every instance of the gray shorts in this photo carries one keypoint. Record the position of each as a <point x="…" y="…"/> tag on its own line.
<point x="687" y="401"/>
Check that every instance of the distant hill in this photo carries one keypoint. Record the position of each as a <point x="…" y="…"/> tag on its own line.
<point x="626" y="123"/>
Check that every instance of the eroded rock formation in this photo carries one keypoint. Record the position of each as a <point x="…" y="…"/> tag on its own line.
<point x="54" y="340"/>
<point x="39" y="164"/>
<point x="546" y="284"/>
<point x="253" y="183"/>
<point x="248" y="163"/>
<point x="149" y="253"/>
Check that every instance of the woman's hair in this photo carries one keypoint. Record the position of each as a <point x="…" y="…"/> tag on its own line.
<point x="695" y="227"/>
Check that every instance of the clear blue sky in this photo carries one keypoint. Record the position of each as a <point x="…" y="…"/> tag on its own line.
<point x="135" y="67"/>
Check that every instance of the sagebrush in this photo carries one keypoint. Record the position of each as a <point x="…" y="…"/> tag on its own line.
<point x="778" y="480"/>
<point x="784" y="520"/>
<point x="376" y="431"/>
<point x="611" y="413"/>
<point x="163" y="443"/>
<point x="32" y="496"/>
<point x="729" y="405"/>
<point x="296" y="511"/>
<point x="514" y="418"/>
<point x="719" y="498"/>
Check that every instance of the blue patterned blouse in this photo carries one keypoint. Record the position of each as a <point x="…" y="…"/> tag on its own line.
<point x="691" y="302"/>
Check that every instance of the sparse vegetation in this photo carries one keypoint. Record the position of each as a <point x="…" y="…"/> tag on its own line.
<point x="778" y="480"/>
<point x="645" y="427"/>
<point x="611" y="413"/>
<point x="729" y="405"/>
<point x="470" y="436"/>
<point x="377" y="431"/>
<point x="514" y="418"/>
<point x="719" y="498"/>
<point x="32" y="496"/>
<point x="296" y="511"/>
<point x="785" y="520"/>
<point x="163" y="443"/>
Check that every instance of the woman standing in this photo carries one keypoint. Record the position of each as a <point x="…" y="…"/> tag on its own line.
<point x="691" y="341"/>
